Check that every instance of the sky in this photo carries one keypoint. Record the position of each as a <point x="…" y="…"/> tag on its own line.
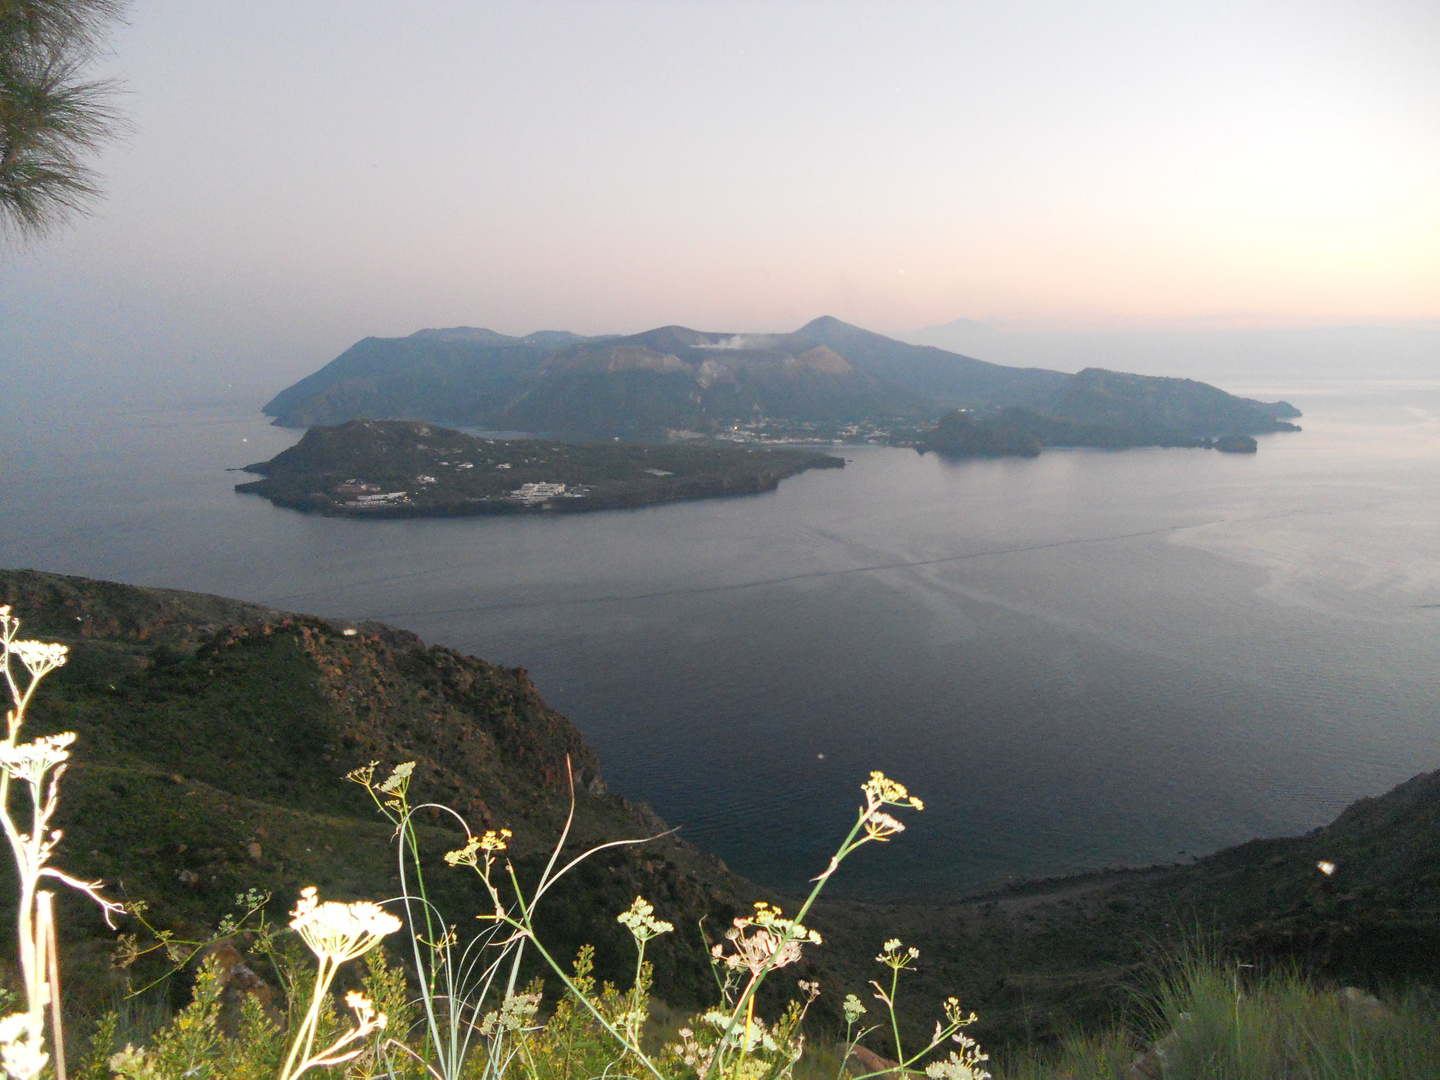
<point x="307" y="173"/>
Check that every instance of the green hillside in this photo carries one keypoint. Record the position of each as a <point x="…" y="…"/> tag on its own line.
<point x="214" y="736"/>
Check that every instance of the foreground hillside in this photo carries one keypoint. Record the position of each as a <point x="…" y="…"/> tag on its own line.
<point x="214" y="733"/>
<point x="674" y="378"/>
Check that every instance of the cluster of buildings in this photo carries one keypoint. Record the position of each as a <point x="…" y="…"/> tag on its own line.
<point x="367" y="494"/>
<point x="384" y="499"/>
<point x="540" y="492"/>
<point x="771" y="431"/>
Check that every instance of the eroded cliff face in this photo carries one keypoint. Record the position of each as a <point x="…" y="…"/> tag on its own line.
<point x="483" y="740"/>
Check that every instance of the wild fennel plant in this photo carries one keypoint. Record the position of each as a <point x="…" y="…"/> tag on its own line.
<point x="766" y="940"/>
<point x="456" y="981"/>
<point x="729" y="1042"/>
<point x="336" y="933"/>
<point x="35" y="767"/>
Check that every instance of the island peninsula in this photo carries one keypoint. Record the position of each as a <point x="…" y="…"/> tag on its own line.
<point x="404" y="468"/>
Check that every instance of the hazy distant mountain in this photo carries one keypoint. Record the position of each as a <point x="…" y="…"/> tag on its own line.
<point x="668" y="378"/>
<point x="675" y="378"/>
<point x="678" y="378"/>
<point x="447" y="376"/>
<point x="1096" y="396"/>
<point x="947" y="377"/>
<point x="546" y="339"/>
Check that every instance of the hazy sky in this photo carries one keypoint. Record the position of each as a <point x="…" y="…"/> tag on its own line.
<point x="305" y="173"/>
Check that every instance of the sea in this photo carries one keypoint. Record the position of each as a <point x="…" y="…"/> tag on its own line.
<point x="1089" y="659"/>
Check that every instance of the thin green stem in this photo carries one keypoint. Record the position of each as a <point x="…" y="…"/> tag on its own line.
<point x="895" y="1023"/>
<point x="635" y="991"/>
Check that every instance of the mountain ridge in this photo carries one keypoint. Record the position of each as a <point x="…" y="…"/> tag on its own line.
<point x="675" y="378"/>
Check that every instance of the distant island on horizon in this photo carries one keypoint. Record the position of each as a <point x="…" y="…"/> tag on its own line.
<point x="404" y="468"/>
<point x="826" y="382"/>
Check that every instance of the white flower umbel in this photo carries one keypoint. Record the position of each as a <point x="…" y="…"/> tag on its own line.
<point x="964" y="1064"/>
<point x="764" y="940"/>
<point x="516" y="1013"/>
<point x="336" y="934"/>
<point x="340" y="932"/>
<point x="31" y="761"/>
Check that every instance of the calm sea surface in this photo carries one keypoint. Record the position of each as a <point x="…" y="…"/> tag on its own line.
<point x="1089" y="658"/>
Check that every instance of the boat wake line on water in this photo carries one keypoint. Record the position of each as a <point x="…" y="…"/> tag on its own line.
<point x="697" y="590"/>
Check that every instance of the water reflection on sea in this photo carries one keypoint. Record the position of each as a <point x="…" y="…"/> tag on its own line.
<point x="1081" y="659"/>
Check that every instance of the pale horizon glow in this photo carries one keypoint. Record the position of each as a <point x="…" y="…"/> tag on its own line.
<point x="305" y="175"/>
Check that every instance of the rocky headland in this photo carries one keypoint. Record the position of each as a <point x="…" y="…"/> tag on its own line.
<point x="403" y="468"/>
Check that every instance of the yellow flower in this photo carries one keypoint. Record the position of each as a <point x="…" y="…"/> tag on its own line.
<point x="491" y="842"/>
<point x="880" y="789"/>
